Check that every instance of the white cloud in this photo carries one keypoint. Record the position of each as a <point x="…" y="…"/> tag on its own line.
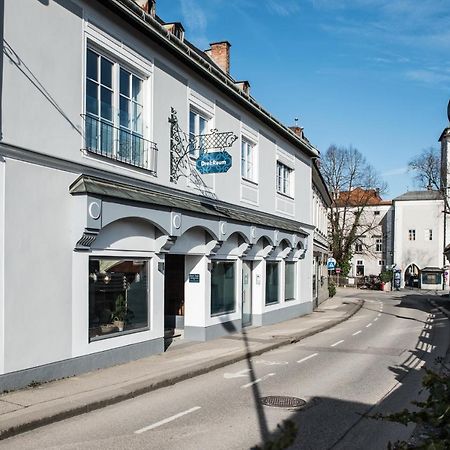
<point x="196" y="21"/>
<point x="395" y="172"/>
<point x="429" y="76"/>
<point x="284" y="8"/>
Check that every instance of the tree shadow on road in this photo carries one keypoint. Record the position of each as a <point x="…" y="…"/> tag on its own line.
<point x="331" y="423"/>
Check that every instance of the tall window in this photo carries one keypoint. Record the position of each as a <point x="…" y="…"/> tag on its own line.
<point x="198" y="126"/>
<point x="289" y="281"/>
<point x="284" y="179"/>
<point x="272" y="282"/>
<point x="118" y="296"/>
<point x="222" y="287"/>
<point x="114" y="111"/>
<point x="359" y="267"/>
<point x="358" y="247"/>
<point x="412" y="235"/>
<point x="248" y="161"/>
<point x="429" y="235"/>
<point x="379" y="245"/>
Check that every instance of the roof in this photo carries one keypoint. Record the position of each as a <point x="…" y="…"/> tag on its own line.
<point x="110" y="189"/>
<point x="359" y="197"/>
<point x="432" y="269"/>
<point x="419" y="195"/>
<point x="198" y="61"/>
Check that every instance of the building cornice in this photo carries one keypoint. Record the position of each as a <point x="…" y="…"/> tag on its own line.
<point x="135" y="16"/>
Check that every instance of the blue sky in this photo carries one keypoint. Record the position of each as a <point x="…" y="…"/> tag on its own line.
<point x="374" y="74"/>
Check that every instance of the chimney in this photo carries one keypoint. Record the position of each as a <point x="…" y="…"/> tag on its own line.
<point x="298" y="131"/>
<point x="219" y="52"/>
<point x="243" y="86"/>
<point x="149" y="6"/>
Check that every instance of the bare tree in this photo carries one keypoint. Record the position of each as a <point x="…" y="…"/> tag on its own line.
<point x="354" y="185"/>
<point x="427" y="168"/>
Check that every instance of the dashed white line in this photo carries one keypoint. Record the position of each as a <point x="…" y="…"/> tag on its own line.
<point x="307" y="357"/>
<point x="337" y="343"/>
<point x="169" y="419"/>
<point x="376" y="318"/>
<point x="379" y="314"/>
<point x="368" y="325"/>
<point x="357" y="332"/>
<point x="257" y="380"/>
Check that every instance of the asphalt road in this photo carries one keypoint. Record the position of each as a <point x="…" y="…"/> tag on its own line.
<point x="370" y="363"/>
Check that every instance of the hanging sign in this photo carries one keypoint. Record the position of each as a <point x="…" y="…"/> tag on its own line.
<point x="331" y="263"/>
<point x="214" y="162"/>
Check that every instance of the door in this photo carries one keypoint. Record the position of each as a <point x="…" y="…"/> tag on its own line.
<point x="246" y="293"/>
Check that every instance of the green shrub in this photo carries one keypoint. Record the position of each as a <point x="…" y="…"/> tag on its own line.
<point x="434" y="414"/>
<point x="331" y="289"/>
<point x="386" y="276"/>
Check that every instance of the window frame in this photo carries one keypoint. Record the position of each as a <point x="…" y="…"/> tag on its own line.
<point x="224" y="312"/>
<point x="284" y="179"/>
<point x="412" y="234"/>
<point x="379" y="245"/>
<point x="277" y="301"/>
<point x="122" y="258"/>
<point x="120" y="62"/>
<point x="294" y="281"/>
<point x="249" y="144"/>
<point x="199" y="114"/>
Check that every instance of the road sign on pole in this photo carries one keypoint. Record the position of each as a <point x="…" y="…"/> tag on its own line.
<point x="331" y="264"/>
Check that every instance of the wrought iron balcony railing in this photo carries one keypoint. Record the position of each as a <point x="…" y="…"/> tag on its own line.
<point x="128" y="147"/>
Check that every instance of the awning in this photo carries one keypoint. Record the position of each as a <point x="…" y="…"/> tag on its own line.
<point x="176" y="200"/>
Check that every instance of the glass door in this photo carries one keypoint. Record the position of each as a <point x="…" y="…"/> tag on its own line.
<point x="246" y="293"/>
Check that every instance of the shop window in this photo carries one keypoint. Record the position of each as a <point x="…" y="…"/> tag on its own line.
<point x="118" y="296"/>
<point x="222" y="287"/>
<point x="272" y="282"/>
<point x="289" y="281"/>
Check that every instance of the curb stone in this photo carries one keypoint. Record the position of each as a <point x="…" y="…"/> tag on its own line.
<point x="34" y="419"/>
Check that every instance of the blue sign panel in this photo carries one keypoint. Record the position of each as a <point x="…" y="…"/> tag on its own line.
<point x="214" y="162"/>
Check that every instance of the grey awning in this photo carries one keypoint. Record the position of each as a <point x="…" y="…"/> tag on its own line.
<point x="176" y="200"/>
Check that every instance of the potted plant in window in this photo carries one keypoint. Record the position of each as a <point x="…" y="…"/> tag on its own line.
<point x="120" y="313"/>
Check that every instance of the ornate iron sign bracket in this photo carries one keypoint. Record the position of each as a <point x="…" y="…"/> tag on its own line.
<point x="181" y="145"/>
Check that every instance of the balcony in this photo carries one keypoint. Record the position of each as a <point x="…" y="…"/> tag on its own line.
<point x="120" y="144"/>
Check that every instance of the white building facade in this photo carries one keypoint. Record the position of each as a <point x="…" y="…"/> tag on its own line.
<point x="109" y="235"/>
<point x="321" y="203"/>
<point x="419" y="236"/>
<point x="373" y="250"/>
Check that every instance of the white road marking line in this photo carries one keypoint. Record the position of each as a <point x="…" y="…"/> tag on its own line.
<point x="337" y="343"/>
<point x="240" y="373"/>
<point x="379" y="314"/>
<point x="354" y="334"/>
<point x="307" y="357"/>
<point x="376" y="318"/>
<point x="257" y="380"/>
<point x="272" y="363"/>
<point x="368" y="325"/>
<point x="169" y="419"/>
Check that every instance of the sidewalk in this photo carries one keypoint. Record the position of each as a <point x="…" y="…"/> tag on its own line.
<point x="33" y="407"/>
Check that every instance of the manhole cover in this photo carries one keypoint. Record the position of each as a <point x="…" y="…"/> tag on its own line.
<point x="281" y="401"/>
